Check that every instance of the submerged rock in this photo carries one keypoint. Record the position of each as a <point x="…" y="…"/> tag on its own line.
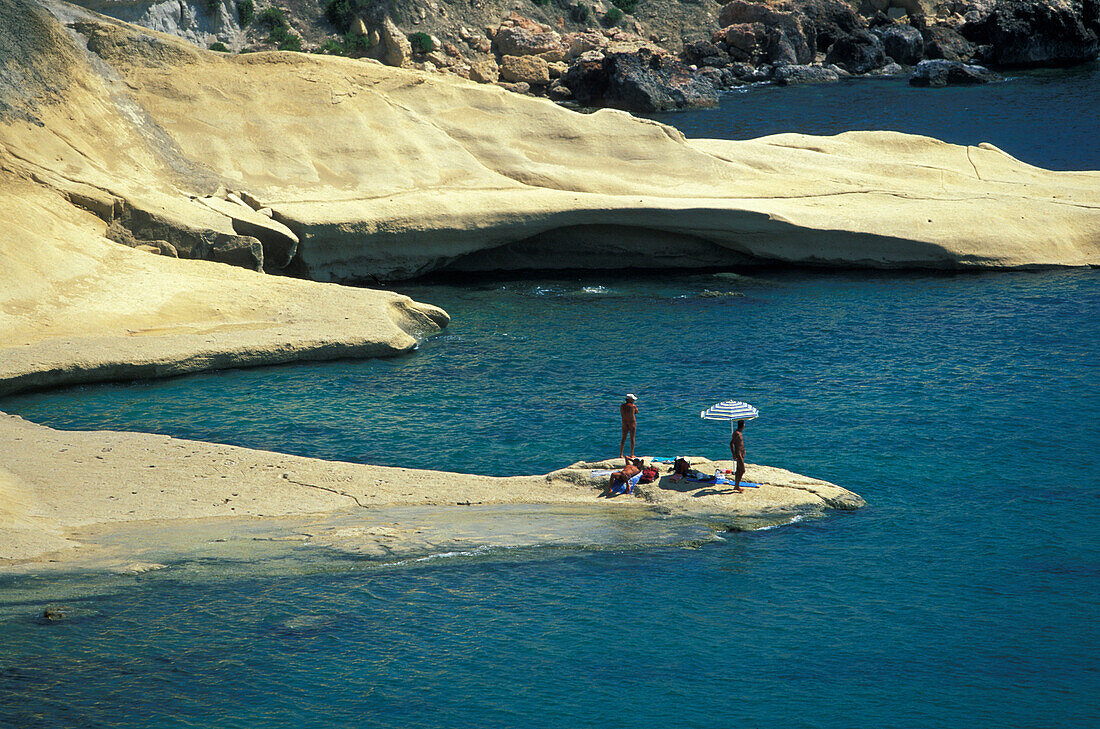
<point x="708" y="294"/>
<point x="54" y="614"/>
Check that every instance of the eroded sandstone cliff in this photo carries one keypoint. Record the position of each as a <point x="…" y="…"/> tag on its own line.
<point x="383" y="173"/>
<point x="350" y="171"/>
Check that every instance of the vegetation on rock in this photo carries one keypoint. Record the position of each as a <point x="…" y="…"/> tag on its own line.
<point x="612" y="17"/>
<point x="421" y="42"/>
<point x="627" y="6"/>
<point x="219" y="47"/>
<point x="275" y="19"/>
<point x="246" y="10"/>
<point x="342" y="13"/>
<point x="351" y="45"/>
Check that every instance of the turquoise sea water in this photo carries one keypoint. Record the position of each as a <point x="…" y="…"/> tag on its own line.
<point x="963" y="407"/>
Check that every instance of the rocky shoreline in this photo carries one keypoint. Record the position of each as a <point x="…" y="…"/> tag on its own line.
<point x="658" y="55"/>
<point x="100" y="483"/>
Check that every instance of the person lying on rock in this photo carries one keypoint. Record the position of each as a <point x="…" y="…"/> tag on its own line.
<point x="623" y="482"/>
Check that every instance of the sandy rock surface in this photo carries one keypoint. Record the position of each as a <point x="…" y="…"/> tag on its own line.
<point x="57" y="486"/>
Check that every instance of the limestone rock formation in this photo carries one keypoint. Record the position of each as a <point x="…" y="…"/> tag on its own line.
<point x="519" y="41"/>
<point x="525" y="69"/>
<point x="484" y="72"/>
<point x="197" y="21"/>
<point x="396" y="48"/>
<point x="386" y="173"/>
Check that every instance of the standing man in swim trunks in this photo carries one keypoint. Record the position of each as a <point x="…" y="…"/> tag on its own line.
<point x="629" y="412"/>
<point x="737" y="448"/>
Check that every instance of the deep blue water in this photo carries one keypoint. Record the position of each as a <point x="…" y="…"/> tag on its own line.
<point x="965" y="408"/>
<point x="1045" y="117"/>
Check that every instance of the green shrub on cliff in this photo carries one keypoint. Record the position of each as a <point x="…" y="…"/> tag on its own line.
<point x="421" y="42"/>
<point x="351" y="44"/>
<point x="246" y="10"/>
<point x="219" y="47"/>
<point x="627" y="6"/>
<point x="212" y="6"/>
<point x="612" y="17"/>
<point x="341" y="13"/>
<point x="275" y="19"/>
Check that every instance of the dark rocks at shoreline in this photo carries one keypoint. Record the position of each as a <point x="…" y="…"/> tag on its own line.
<point x="789" y="75"/>
<point x="903" y="43"/>
<point x="831" y="20"/>
<point x="759" y="32"/>
<point x="938" y="73"/>
<point x="641" y="80"/>
<point x="944" y="42"/>
<point x="859" y="52"/>
<point x="1025" y="33"/>
<point x="822" y="41"/>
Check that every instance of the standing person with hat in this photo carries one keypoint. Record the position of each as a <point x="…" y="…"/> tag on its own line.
<point x="629" y="413"/>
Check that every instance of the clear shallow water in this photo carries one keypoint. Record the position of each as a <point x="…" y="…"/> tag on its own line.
<point x="964" y="408"/>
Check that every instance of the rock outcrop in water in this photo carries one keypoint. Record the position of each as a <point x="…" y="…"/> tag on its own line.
<point x="113" y="479"/>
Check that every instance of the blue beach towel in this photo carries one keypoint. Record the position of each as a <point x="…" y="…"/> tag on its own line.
<point x="626" y="488"/>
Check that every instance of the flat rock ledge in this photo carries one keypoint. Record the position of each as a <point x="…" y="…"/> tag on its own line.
<point x="65" y="496"/>
<point x="780" y="491"/>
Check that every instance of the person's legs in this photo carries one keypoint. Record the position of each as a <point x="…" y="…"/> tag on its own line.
<point x="737" y="477"/>
<point x="622" y="441"/>
<point x="633" y="432"/>
<point x="616" y="479"/>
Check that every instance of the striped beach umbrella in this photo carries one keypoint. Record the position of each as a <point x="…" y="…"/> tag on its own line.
<point x="730" y="410"/>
